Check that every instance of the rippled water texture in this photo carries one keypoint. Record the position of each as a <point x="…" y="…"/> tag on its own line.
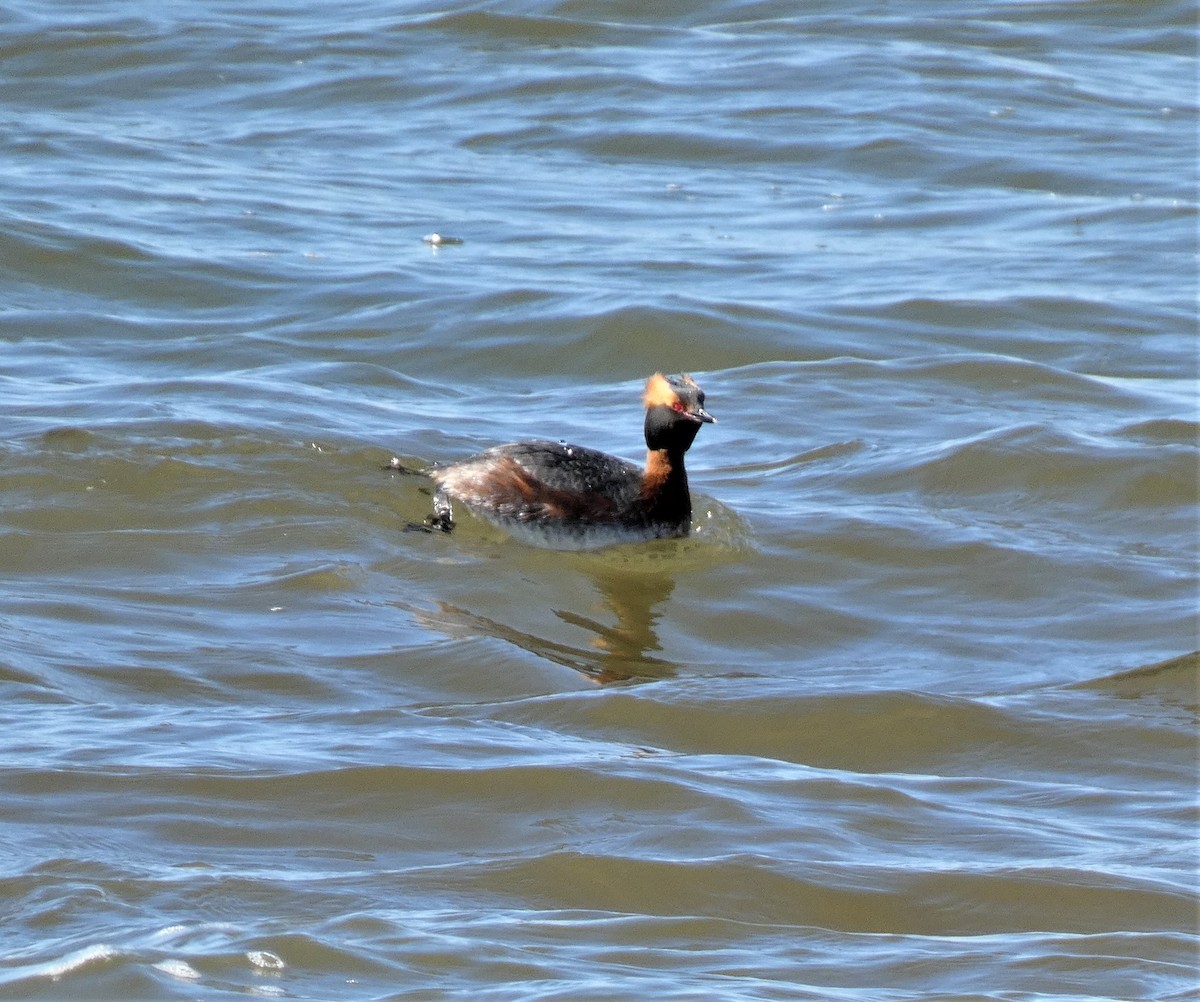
<point x="912" y="713"/>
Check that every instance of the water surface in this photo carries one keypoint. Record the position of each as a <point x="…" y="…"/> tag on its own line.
<point x="910" y="715"/>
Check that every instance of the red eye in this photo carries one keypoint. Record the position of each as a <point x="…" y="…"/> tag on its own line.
<point x="677" y="407"/>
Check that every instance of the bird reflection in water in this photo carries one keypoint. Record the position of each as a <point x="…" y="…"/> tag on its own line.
<point x="616" y="653"/>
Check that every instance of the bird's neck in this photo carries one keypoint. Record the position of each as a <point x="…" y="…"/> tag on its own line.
<point x="664" y="485"/>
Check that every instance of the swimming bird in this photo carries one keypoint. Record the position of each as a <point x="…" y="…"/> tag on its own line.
<point x="563" y="496"/>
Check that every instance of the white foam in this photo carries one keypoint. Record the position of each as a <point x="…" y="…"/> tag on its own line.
<point x="265" y="961"/>
<point x="178" y="969"/>
<point x="56" y="969"/>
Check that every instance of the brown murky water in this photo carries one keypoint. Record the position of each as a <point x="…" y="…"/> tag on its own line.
<point x="911" y="715"/>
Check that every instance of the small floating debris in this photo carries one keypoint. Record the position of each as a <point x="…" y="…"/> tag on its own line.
<point x="397" y="465"/>
<point x="440" y="240"/>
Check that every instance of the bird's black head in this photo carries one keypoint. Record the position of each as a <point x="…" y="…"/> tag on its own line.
<point x="674" y="412"/>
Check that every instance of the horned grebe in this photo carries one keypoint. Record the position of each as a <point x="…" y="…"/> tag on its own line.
<point x="567" y="497"/>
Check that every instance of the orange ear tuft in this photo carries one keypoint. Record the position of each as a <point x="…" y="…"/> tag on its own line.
<point x="659" y="393"/>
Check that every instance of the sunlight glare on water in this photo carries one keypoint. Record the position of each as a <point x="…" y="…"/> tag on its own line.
<point x="910" y="714"/>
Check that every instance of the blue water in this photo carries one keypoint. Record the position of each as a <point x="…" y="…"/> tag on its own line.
<point x="910" y="715"/>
